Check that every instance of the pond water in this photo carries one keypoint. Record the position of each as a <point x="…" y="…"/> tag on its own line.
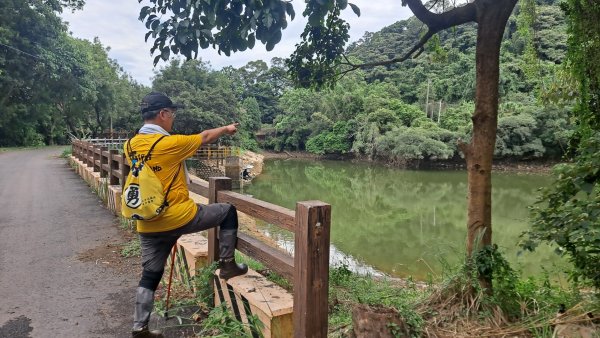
<point x="401" y="222"/>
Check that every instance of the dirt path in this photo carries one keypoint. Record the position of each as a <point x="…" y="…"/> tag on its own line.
<point x="50" y="221"/>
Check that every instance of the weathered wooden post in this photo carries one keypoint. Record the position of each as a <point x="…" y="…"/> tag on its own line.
<point x="96" y="158"/>
<point x="74" y="148"/>
<point x="89" y="157"/>
<point x="124" y="169"/>
<point x="79" y="149"/>
<point x="311" y="269"/>
<point x="104" y="162"/>
<point x="215" y="184"/>
<point x="113" y="166"/>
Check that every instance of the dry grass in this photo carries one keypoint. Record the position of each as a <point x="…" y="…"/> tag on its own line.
<point x="457" y="310"/>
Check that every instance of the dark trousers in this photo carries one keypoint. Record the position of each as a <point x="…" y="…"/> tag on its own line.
<point x="157" y="246"/>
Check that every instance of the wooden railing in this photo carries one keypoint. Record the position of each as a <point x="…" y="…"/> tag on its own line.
<point x="307" y="269"/>
<point x="216" y="152"/>
<point x="205" y="152"/>
<point x="110" y="163"/>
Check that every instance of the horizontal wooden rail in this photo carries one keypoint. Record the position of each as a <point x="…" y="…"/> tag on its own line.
<point x="199" y="187"/>
<point x="278" y="261"/>
<point x="110" y="163"/>
<point x="271" y="213"/>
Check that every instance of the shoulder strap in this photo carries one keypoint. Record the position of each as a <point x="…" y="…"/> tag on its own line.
<point x="152" y="148"/>
<point x="165" y="202"/>
<point x="129" y="150"/>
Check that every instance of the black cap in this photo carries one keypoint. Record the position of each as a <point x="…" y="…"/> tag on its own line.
<point x="157" y="101"/>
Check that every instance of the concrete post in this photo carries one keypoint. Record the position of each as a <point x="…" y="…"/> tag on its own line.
<point x="233" y="168"/>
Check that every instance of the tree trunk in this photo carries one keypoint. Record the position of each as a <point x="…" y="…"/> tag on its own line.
<point x="492" y="16"/>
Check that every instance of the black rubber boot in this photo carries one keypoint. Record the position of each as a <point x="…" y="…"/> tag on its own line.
<point x="144" y="302"/>
<point x="229" y="268"/>
<point x="145" y="333"/>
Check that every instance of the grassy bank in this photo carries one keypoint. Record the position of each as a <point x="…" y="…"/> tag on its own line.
<point x="452" y="305"/>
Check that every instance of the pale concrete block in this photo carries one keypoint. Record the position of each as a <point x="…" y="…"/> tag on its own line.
<point x="103" y="189"/>
<point x="192" y="254"/>
<point x="114" y="199"/>
<point x="73" y="162"/>
<point x="87" y="175"/>
<point x="96" y="180"/>
<point x="254" y="294"/>
<point x="84" y="173"/>
<point x="80" y="169"/>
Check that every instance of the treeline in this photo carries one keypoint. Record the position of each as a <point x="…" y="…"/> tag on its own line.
<point x="420" y="108"/>
<point x="53" y="85"/>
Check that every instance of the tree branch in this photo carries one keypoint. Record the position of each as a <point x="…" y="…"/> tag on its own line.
<point x="454" y="17"/>
<point x="434" y="22"/>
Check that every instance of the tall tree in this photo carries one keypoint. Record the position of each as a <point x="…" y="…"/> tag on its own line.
<point x="234" y="25"/>
<point x="31" y="36"/>
<point x="206" y="93"/>
<point x="262" y="83"/>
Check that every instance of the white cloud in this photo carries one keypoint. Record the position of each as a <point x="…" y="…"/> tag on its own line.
<point x="117" y="26"/>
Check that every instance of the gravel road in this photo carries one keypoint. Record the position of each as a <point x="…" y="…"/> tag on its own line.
<point x="48" y="218"/>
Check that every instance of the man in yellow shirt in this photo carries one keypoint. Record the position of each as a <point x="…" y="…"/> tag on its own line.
<point x="182" y="216"/>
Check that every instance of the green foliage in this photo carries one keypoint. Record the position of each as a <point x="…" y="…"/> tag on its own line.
<point x="82" y="92"/>
<point x="292" y="126"/>
<point x="583" y="53"/>
<point x="347" y="288"/>
<point x="316" y="58"/>
<point x="249" y="123"/>
<point x="232" y="26"/>
<point x="257" y="81"/>
<point x="526" y="30"/>
<point x="403" y="143"/>
<point x="222" y="323"/>
<point x="204" y="284"/>
<point x="206" y="93"/>
<point x="127" y="224"/>
<point x="516" y="137"/>
<point x="458" y="118"/>
<point x="518" y="298"/>
<point x="53" y="85"/>
<point x="132" y="248"/>
<point x="336" y="141"/>
<point x="567" y="213"/>
<point x="228" y="26"/>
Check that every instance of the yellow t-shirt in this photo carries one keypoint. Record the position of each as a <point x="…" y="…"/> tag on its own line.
<point x="166" y="158"/>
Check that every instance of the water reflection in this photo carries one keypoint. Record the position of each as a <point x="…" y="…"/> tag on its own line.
<point x="400" y="222"/>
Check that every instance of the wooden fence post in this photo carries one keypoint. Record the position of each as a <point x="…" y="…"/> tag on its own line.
<point x="80" y="150"/>
<point x="311" y="269"/>
<point x="113" y="165"/>
<point x="74" y="149"/>
<point x="78" y="146"/>
<point x="214" y="185"/>
<point x="124" y="169"/>
<point x="104" y="160"/>
<point x="95" y="158"/>
<point x="89" y="158"/>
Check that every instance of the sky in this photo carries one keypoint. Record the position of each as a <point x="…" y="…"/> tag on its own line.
<point x="117" y="26"/>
